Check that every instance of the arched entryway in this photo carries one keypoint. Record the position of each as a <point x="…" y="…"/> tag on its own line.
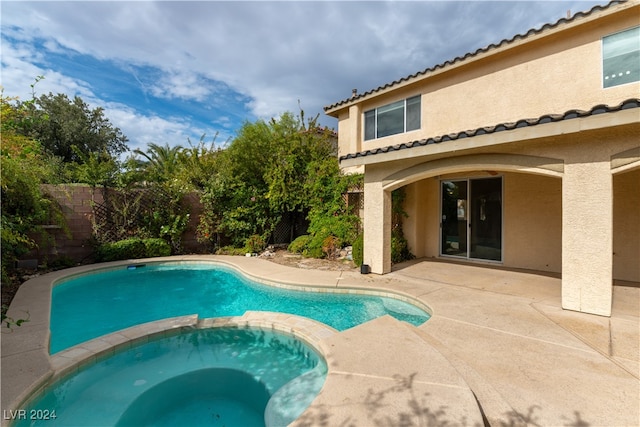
<point x="487" y="208"/>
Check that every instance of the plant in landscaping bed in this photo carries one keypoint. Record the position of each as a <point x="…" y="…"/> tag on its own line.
<point x="299" y="245"/>
<point x="132" y="249"/>
<point x="266" y="174"/>
<point x="174" y="230"/>
<point x="156" y="247"/>
<point x="358" y="250"/>
<point x="399" y="245"/>
<point x="331" y="247"/>
<point x="254" y="244"/>
<point x="122" y="249"/>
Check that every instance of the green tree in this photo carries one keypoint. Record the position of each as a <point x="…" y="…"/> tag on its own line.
<point x="328" y="213"/>
<point x="24" y="167"/>
<point x="267" y="172"/>
<point x="69" y="129"/>
<point x="161" y="163"/>
<point x="198" y="163"/>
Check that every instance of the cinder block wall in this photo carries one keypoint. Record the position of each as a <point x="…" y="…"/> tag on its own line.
<point x="76" y="203"/>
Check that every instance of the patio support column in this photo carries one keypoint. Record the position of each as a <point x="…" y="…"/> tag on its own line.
<point x="377" y="227"/>
<point x="587" y="237"/>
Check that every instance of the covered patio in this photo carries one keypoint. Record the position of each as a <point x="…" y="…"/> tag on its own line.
<point x="559" y="197"/>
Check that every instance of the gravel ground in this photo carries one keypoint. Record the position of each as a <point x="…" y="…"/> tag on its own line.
<point x="295" y="260"/>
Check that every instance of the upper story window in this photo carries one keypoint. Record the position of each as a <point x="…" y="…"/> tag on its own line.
<point x="621" y="58"/>
<point x="390" y="119"/>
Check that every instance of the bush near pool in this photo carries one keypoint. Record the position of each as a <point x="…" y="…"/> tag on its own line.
<point x="132" y="249"/>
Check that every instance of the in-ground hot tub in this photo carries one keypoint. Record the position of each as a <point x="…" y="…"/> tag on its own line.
<point x="212" y="395"/>
<point x="229" y="376"/>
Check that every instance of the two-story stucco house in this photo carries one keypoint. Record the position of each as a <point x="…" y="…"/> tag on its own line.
<point x="524" y="154"/>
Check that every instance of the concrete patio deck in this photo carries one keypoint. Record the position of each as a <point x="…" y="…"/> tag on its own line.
<point x="497" y="336"/>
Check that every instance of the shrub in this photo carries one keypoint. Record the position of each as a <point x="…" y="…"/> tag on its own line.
<point x="358" y="250"/>
<point x="344" y="227"/>
<point x="331" y="246"/>
<point x="156" y="247"/>
<point x="254" y="243"/>
<point x="231" y="250"/>
<point x="63" y="261"/>
<point x="399" y="248"/>
<point x="123" y="249"/>
<point x="299" y="244"/>
<point x="314" y="250"/>
<point x="341" y="227"/>
<point x="132" y="249"/>
<point x="318" y="243"/>
<point x="314" y="247"/>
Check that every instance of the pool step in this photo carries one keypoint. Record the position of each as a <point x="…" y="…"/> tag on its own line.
<point x="293" y="398"/>
<point x="495" y="409"/>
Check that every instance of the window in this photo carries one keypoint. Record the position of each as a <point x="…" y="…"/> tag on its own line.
<point x="397" y="117"/>
<point x="621" y="58"/>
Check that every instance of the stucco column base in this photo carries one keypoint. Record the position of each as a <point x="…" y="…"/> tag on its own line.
<point x="377" y="228"/>
<point x="587" y="237"/>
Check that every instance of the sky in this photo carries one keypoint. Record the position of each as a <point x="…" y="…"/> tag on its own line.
<point x="173" y="71"/>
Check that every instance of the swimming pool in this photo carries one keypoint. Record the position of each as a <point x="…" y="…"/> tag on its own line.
<point x="95" y="304"/>
<point x="220" y="376"/>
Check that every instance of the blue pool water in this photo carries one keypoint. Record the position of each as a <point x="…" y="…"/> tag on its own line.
<point x="92" y="305"/>
<point x="224" y="376"/>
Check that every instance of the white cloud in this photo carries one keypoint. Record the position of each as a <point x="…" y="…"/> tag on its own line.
<point x="142" y="130"/>
<point x="272" y="53"/>
<point x="181" y="84"/>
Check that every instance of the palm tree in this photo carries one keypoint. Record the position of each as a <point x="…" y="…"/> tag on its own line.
<point x="162" y="161"/>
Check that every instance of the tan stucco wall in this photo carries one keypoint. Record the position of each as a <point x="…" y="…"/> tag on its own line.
<point x="532" y="224"/>
<point x="421" y="228"/>
<point x="554" y="73"/>
<point x="626" y="226"/>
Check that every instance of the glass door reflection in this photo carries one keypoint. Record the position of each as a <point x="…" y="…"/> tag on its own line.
<point x="471" y="222"/>
<point x="454" y="218"/>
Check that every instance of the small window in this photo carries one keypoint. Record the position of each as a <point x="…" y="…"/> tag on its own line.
<point x="621" y="58"/>
<point x="397" y="117"/>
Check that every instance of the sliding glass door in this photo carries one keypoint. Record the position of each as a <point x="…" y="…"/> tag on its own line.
<point x="454" y="218"/>
<point x="471" y="218"/>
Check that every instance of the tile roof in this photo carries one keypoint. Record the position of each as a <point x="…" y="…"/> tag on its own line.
<point x="547" y="118"/>
<point x="488" y="48"/>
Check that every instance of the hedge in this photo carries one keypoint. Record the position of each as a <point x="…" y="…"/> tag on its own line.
<point x="132" y="249"/>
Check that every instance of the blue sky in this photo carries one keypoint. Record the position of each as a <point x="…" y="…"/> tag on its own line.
<point x="166" y="71"/>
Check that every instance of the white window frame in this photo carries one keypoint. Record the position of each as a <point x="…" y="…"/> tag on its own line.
<point x="404" y="125"/>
